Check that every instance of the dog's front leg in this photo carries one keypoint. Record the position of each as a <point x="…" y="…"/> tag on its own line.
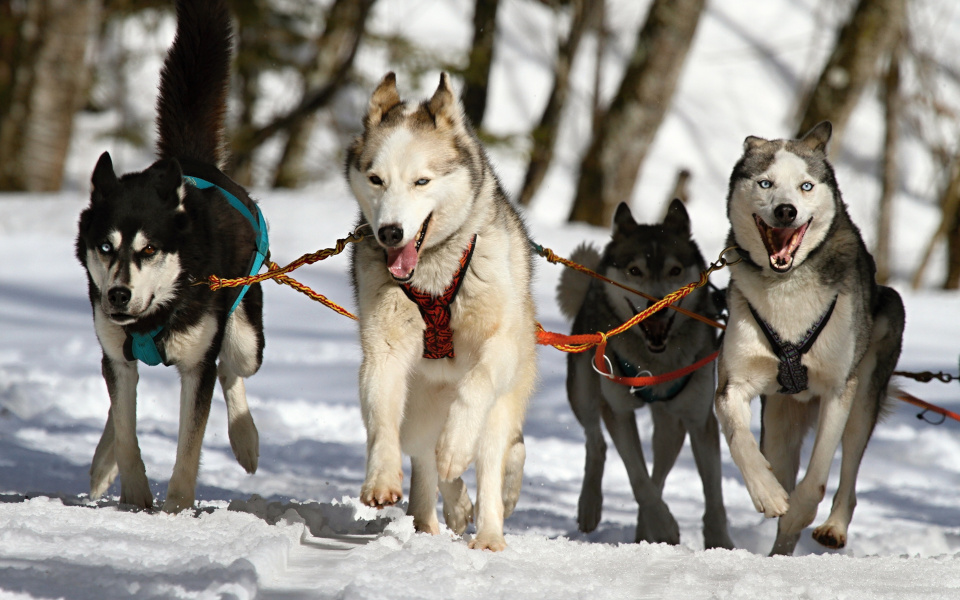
<point x="121" y="377"/>
<point x="383" y="394"/>
<point x="811" y="489"/>
<point x="196" y="392"/>
<point x="733" y="412"/>
<point x="457" y="446"/>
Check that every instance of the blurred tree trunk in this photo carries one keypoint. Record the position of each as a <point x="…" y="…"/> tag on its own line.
<point x="608" y="171"/>
<point x="889" y="180"/>
<point x="862" y="44"/>
<point x="261" y="47"/>
<point x="477" y="75"/>
<point x="336" y="47"/>
<point x="584" y="14"/>
<point x="44" y="78"/>
<point x="949" y="227"/>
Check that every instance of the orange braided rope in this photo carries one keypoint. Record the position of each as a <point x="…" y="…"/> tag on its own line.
<point x="583" y="342"/>
<point x="279" y="274"/>
<point x="549" y="254"/>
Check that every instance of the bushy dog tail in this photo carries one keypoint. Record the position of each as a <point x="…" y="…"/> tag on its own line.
<point x="572" y="289"/>
<point x="193" y="83"/>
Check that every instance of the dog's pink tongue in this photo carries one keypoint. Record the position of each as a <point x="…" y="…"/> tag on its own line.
<point x="402" y="261"/>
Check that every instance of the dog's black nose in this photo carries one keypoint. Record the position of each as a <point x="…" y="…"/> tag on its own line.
<point x="390" y="235"/>
<point x="119" y="297"/>
<point x="785" y="213"/>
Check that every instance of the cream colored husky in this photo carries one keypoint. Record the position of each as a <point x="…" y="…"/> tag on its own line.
<point x="447" y="323"/>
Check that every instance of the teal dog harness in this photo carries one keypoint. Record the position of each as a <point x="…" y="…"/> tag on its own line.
<point x="148" y="347"/>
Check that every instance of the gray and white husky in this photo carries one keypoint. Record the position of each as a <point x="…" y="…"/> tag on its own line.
<point x="447" y="325"/>
<point x="810" y="332"/>
<point x="657" y="259"/>
<point x="145" y="239"/>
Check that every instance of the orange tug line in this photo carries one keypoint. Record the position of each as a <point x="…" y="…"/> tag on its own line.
<point x="562" y="342"/>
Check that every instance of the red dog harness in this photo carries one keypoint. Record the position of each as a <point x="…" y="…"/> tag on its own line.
<point x="438" y="336"/>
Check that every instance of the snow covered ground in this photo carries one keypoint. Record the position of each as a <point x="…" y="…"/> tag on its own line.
<point x="296" y="530"/>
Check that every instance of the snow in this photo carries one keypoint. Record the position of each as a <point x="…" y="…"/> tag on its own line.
<point x="296" y="529"/>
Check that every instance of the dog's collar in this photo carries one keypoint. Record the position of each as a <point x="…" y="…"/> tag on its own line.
<point x="791" y="374"/>
<point x="435" y="310"/>
<point x="646" y="393"/>
<point x="148" y="347"/>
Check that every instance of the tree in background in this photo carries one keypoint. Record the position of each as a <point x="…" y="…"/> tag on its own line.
<point x="608" y="170"/>
<point x="477" y="74"/>
<point x="44" y="78"/>
<point x="268" y="39"/>
<point x="585" y="14"/>
<point x="332" y="59"/>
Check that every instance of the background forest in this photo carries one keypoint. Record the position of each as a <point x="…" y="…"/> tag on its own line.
<point x="615" y="64"/>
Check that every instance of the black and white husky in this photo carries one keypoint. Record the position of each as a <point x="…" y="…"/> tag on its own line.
<point x="658" y="259"/>
<point x="810" y="332"/>
<point x="146" y="239"/>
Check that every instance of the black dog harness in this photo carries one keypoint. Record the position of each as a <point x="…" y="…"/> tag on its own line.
<point x="791" y="374"/>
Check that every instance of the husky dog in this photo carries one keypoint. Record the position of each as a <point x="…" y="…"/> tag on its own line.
<point x="657" y="259"/>
<point x="447" y="323"/>
<point x="810" y="332"/>
<point x="146" y="238"/>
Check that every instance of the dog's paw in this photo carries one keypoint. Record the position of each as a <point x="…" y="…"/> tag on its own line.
<point x="656" y="525"/>
<point x="382" y="490"/>
<point x="174" y="503"/>
<point x="488" y="541"/>
<point x="455" y="452"/>
<point x="767" y="494"/>
<point x="831" y="535"/>
<point x="245" y="442"/>
<point x="589" y="509"/>
<point x="457" y="506"/>
<point x="135" y="491"/>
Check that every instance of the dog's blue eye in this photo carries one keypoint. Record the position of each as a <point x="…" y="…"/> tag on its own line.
<point x="422" y="181"/>
<point x="806" y="186"/>
<point x="765" y="183"/>
<point x="106" y="248"/>
<point x="375" y="180"/>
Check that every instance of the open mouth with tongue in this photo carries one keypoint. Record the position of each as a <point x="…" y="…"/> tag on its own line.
<point x="781" y="243"/>
<point x="655" y="328"/>
<point x="402" y="260"/>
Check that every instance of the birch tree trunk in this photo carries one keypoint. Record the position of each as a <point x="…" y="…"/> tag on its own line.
<point x="862" y="45"/>
<point x="43" y="83"/>
<point x="608" y="171"/>
<point x="584" y="13"/>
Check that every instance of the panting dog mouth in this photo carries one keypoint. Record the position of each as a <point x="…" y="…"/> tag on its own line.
<point x="655" y="328"/>
<point x="402" y="261"/>
<point x="781" y="243"/>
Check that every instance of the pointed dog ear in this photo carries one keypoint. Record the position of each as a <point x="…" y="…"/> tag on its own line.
<point x="623" y="218"/>
<point x="816" y="139"/>
<point x="677" y="218"/>
<point x="104" y="178"/>
<point x="444" y="106"/>
<point x="753" y="142"/>
<point x="382" y="100"/>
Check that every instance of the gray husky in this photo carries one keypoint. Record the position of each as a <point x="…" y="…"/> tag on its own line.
<point x="656" y="259"/>
<point x="810" y="332"/>
<point x="447" y="323"/>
